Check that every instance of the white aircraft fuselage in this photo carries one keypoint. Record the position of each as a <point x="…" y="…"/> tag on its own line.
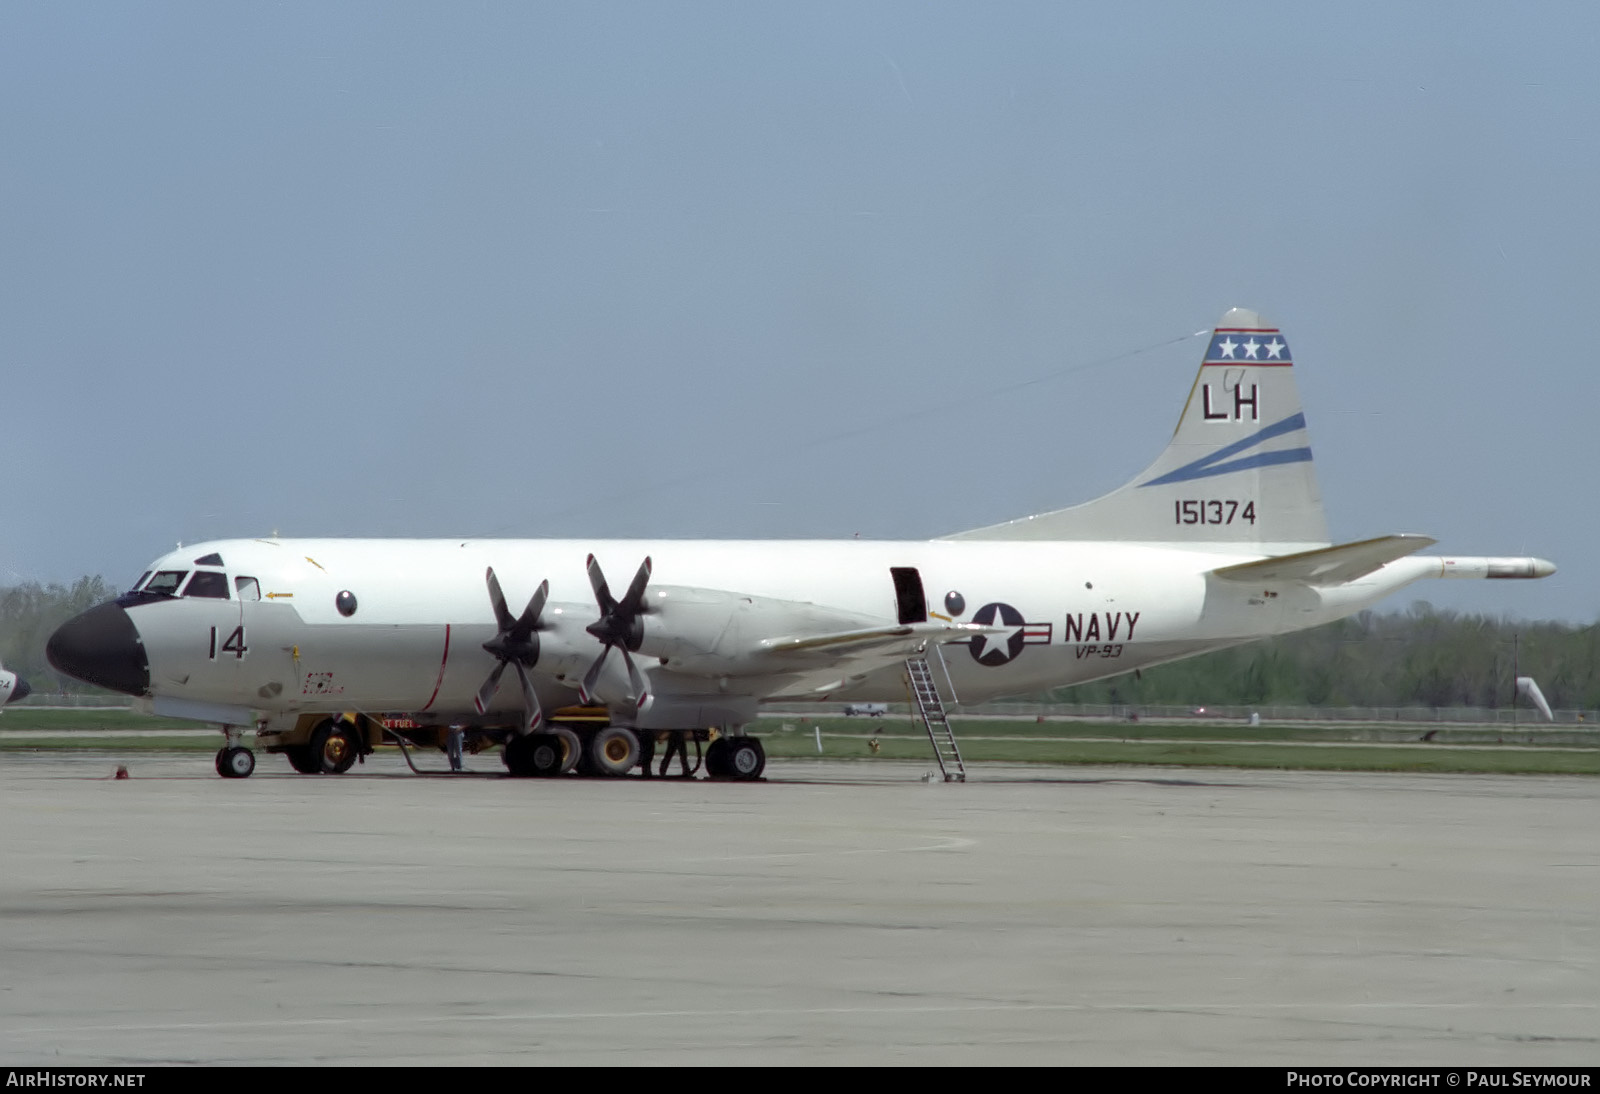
<point x="414" y="641"/>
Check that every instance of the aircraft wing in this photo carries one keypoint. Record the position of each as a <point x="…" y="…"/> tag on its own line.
<point x="1328" y="565"/>
<point x="859" y="653"/>
<point x="903" y="638"/>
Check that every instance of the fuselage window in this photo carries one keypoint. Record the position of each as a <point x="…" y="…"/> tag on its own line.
<point x="247" y="588"/>
<point x="208" y="584"/>
<point x="166" y="582"/>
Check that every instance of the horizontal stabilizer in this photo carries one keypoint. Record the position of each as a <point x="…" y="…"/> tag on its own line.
<point x="1328" y="565"/>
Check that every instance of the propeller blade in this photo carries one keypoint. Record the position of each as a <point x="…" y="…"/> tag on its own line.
<point x="636" y="680"/>
<point x="586" y="689"/>
<point x="532" y="715"/>
<point x="490" y="686"/>
<point x="530" y="615"/>
<point x="602" y="591"/>
<point x="632" y="602"/>
<point x="502" y="614"/>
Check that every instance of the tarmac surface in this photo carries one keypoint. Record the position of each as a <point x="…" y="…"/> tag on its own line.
<point x="836" y="913"/>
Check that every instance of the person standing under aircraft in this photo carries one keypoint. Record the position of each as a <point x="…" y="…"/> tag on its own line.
<point x="675" y="744"/>
<point x="452" y="747"/>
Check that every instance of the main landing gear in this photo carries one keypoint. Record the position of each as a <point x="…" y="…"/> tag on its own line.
<point x="736" y="758"/>
<point x="614" y="751"/>
<point x="544" y="755"/>
<point x="333" y="750"/>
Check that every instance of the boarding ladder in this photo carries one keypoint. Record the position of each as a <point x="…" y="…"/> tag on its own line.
<point x="925" y="696"/>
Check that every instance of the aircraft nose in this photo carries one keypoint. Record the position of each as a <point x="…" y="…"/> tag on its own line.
<point x="19" y="690"/>
<point x="102" y="647"/>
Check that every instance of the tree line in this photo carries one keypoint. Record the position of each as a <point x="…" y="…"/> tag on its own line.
<point x="29" y="613"/>
<point x="1421" y="656"/>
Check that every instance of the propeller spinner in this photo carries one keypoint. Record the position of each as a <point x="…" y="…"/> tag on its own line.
<point x="620" y="625"/>
<point x="516" y="644"/>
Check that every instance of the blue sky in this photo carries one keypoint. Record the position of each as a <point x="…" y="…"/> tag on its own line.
<point x="813" y="270"/>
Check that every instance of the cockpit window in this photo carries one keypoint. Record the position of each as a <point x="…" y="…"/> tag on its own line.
<point x="137" y="585"/>
<point x="247" y="587"/>
<point x="209" y="584"/>
<point x="213" y="559"/>
<point x="166" y="582"/>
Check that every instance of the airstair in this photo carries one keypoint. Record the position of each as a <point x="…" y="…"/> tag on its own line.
<point x="925" y="696"/>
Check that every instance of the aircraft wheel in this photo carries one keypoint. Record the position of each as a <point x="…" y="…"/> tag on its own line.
<point x="544" y="754"/>
<point x="334" y="747"/>
<point x="571" y="748"/>
<point x="300" y="759"/>
<point x="745" y="758"/>
<point x="717" y="758"/>
<point x="614" y="751"/>
<point x="235" y="763"/>
<point x="519" y="755"/>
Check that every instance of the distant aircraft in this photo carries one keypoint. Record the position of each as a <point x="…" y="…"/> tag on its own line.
<point x="12" y="687"/>
<point x="311" y="642"/>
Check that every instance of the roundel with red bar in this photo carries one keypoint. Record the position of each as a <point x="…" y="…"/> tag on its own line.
<point x="994" y="650"/>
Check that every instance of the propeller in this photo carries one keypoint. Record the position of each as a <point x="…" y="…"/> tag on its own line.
<point x="620" y="625"/>
<point x="516" y="644"/>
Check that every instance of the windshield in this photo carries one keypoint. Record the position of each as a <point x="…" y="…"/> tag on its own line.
<point x="207" y="583"/>
<point x="166" y="582"/>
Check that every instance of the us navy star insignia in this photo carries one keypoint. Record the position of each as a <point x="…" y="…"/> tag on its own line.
<point x="1004" y="646"/>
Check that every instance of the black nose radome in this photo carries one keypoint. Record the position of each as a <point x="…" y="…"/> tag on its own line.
<point x="101" y="647"/>
<point x="19" y="690"/>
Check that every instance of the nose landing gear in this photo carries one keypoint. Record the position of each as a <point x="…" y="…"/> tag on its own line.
<point x="235" y="762"/>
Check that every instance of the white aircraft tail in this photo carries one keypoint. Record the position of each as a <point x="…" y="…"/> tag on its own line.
<point x="1237" y="471"/>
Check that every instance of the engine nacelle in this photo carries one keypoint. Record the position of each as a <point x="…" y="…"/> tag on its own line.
<point x="722" y="633"/>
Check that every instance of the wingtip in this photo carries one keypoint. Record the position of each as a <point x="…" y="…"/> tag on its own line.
<point x="1526" y="568"/>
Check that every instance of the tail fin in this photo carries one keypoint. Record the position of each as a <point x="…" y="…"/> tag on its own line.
<point x="1237" y="472"/>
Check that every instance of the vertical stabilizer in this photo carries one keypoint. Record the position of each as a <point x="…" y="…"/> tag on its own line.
<point x="1237" y="472"/>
